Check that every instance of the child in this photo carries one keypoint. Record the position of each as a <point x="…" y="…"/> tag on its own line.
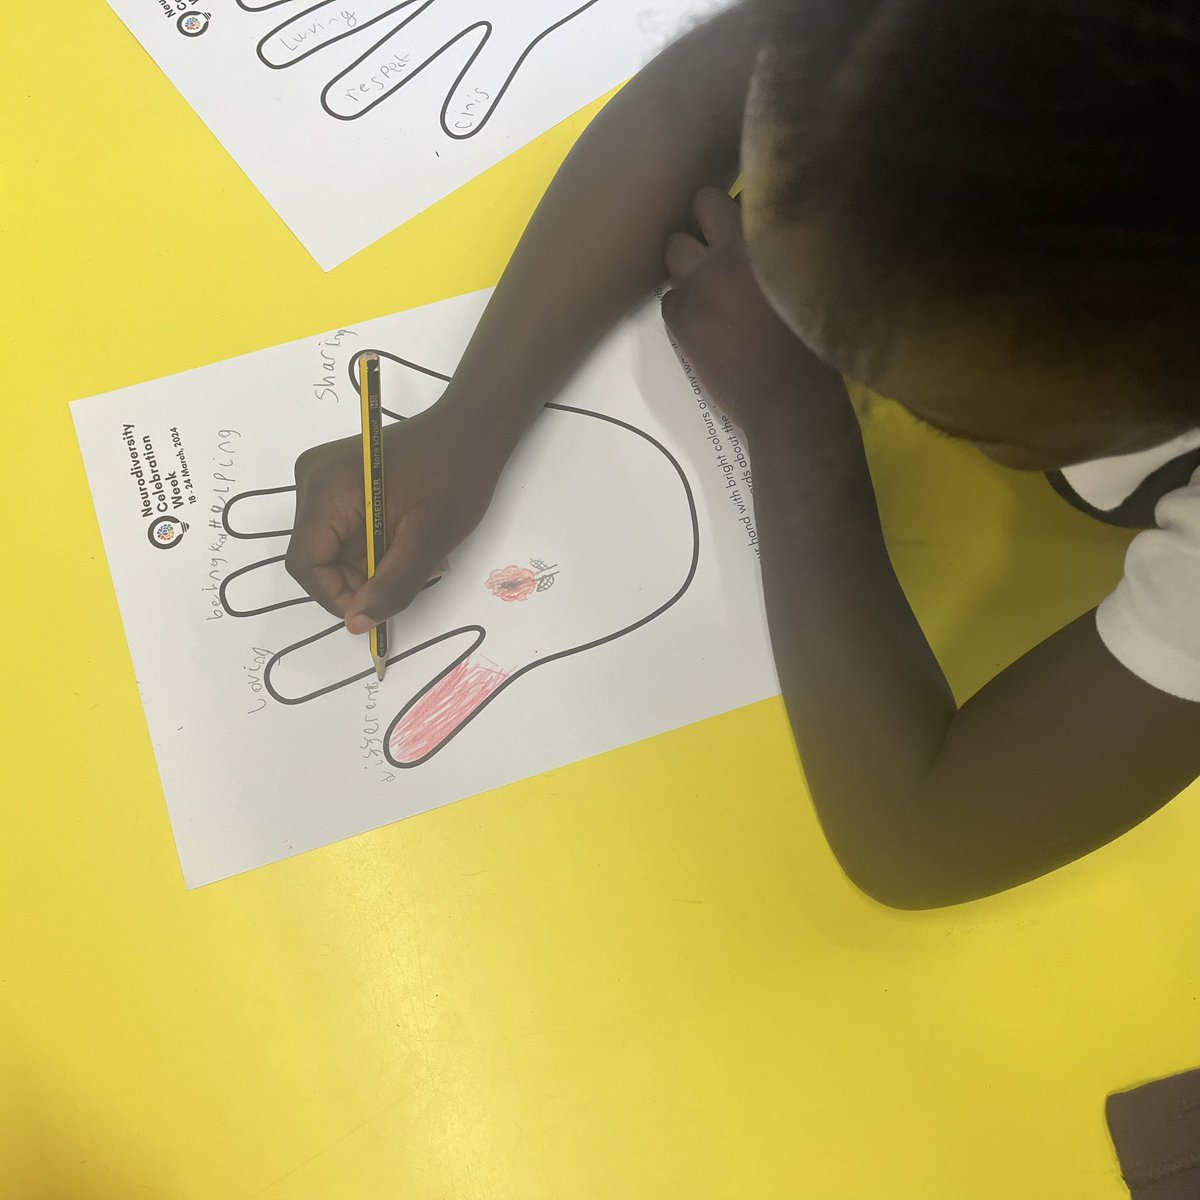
<point x="986" y="211"/>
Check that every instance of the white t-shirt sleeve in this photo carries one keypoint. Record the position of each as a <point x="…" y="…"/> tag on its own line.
<point x="1151" y="623"/>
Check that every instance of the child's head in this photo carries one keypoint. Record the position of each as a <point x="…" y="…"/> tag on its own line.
<point x="988" y="210"/>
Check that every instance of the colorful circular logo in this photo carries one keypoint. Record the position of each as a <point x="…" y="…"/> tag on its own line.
<point x="193" y="24"/>
<point x="166" y="532"/>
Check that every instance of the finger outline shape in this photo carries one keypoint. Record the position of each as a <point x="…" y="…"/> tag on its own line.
<point x="456" y="88"/>
<point x="337" y="685"/>
<point x="280" y="30"/>
<point x="384" y="93"/>
<point x="241" y="572"/>
<point x="250" y="494"/>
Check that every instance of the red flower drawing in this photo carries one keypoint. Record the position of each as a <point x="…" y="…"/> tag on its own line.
<point x="512" y="583"/>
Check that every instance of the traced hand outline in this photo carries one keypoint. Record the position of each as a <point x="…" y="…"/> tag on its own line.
<point x="415" y="34"/>
<point x="658" y="522"/>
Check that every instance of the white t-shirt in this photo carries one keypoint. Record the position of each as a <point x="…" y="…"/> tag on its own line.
<point x="1151" y="623"/>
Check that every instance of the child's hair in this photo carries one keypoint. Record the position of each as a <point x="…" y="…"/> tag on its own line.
<point x="1038" y="151"/>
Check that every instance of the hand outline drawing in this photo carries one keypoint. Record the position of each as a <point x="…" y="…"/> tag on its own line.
<point x="510" y="592"/>
<point x="410" y="35"/>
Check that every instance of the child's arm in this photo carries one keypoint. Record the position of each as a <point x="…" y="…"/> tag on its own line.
<point x="592" y="249"/>
<point x="923" y="803"/>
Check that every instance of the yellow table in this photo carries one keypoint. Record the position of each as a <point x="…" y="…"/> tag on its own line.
<point x="639" y="976"/>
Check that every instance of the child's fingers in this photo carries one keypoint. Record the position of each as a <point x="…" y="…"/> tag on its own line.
<point x="406" y="567"/>
<point x="682" y="255"/>
<point x="676" y="311"/>
<point x="329" y="584"/>
<point x="717" y="215"/>
<point x="311" y="560"/>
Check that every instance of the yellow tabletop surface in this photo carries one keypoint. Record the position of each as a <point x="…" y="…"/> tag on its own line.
<point x="639" y="976"/>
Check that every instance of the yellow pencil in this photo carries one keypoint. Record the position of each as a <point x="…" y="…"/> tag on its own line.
<point x="372" y="446"/>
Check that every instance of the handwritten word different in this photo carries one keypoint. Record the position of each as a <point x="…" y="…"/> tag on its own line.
<point x="371" y="749"/>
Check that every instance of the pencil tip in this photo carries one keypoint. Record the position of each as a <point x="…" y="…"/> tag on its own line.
<point x="379" y="669"/>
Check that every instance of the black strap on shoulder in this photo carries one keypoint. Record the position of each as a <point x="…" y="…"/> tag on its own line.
<point x="1136" y="511"/>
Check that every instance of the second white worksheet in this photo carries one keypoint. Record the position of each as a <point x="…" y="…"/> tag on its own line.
<point x="352" y="116"/>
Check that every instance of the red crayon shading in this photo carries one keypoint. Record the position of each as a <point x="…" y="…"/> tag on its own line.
<point x="438" y="713"/>
<point x="512" y="583"/>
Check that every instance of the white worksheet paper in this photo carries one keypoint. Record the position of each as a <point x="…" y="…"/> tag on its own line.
<point x="612" y="591"/>
<point x="352" y="116"/>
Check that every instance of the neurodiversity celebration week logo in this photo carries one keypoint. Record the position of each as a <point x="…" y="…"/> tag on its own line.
<point x="193" y="24"/>
<point x="165" y="533"/>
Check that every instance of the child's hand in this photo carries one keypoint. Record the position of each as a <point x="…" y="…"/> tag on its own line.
<point x="750" y="363"/>
<point x="439" y="482"/>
